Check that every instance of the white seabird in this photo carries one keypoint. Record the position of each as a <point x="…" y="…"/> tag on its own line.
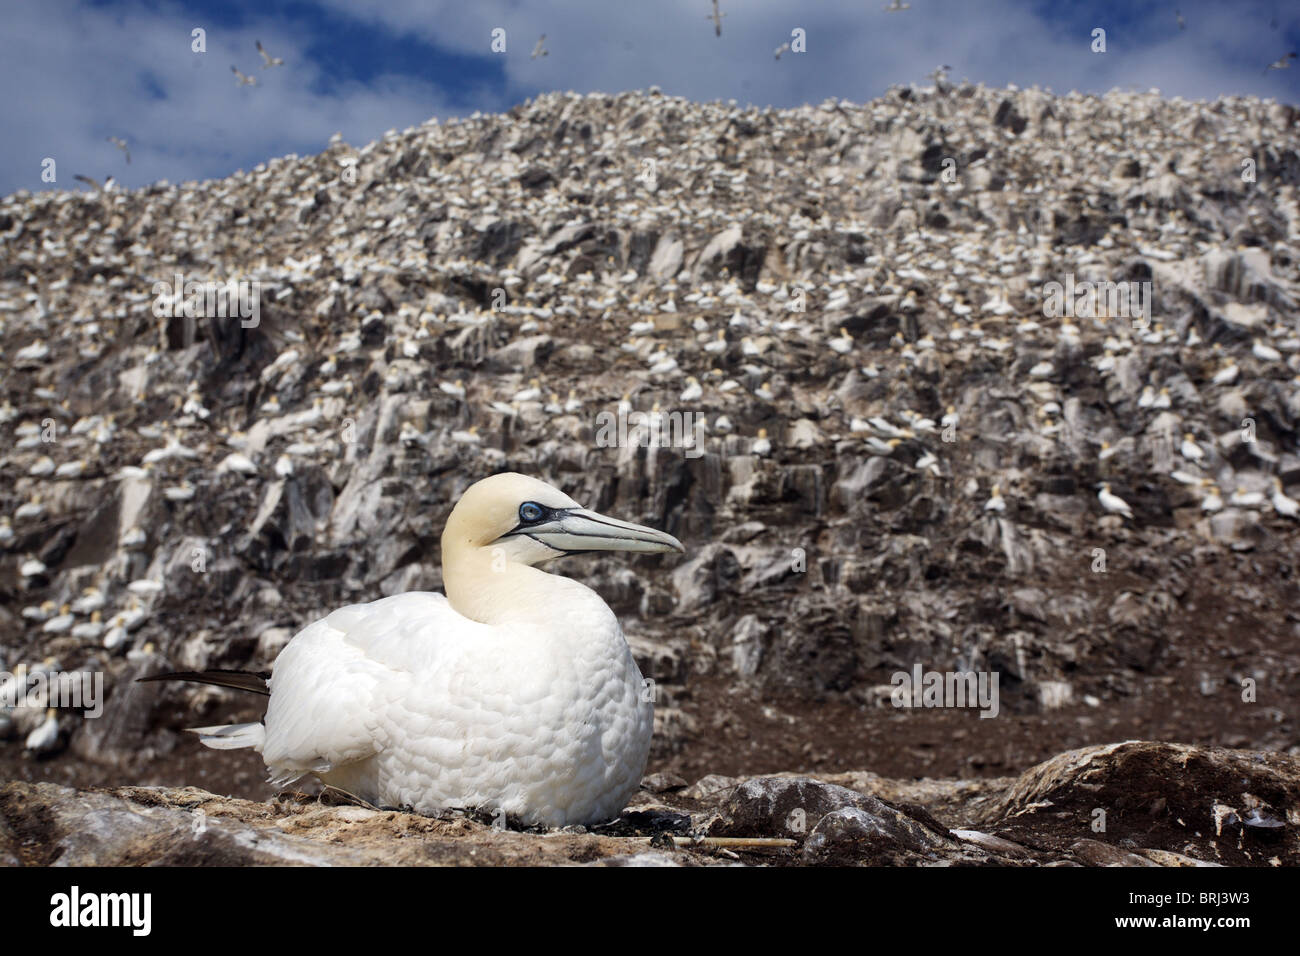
<point x="1279" y="64"/>
<point x="121" y="144"/>
<point x="1287" y="507"/>
<point x="267" y="59"/>
<point x="516" y="692"/>
<point x="716" y="16"/>
<point x="1113" y="503"/>
<point x="540" y="49"/>
<point x="241" y="79"/>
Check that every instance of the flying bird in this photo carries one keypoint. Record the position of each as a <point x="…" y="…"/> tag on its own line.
<point x="1280" y="64"/>
<point x="121" y="144"/>
<point x="716" y="16"/>
<point x="241" y="80"/>
<point x="267" y="59"/>
<point x="896" y="6"/>
<point x="540" y="50"/>
<point x="88" y="181"/>
<point x="516" y="692"/>
<point x="1182" y="24"/>
<point x="781" y="49"/>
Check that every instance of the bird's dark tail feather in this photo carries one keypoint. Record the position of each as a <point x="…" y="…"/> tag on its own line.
<point x="252" y="681"/>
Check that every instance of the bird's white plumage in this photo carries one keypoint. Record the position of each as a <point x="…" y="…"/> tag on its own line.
<point x="535" y="708"/>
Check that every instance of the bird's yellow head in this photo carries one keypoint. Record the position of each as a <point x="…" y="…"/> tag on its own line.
<point x="527" y="521"/>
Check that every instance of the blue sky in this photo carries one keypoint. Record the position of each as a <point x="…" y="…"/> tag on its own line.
<point x="78" y="71"/>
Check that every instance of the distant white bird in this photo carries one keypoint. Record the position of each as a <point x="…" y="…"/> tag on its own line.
<point x="1241" y="498"/>
<point x="38" y="351"/>
<point x="1182" y="24"/>
<point x="762" y="447"/>
<point x="1212" y="501"/>
<point x="995" y="502"/>
<point x="241" y="79"/>
<point x="267" y="59"/>
<point x="61" y="623"/>
<point x="540" y="49"/>
<point x="182" y="492"/>
<point x="716" y="16"/>
<point x="1265" y="352"/>
<point x="784" y="47"/>
<point x="1226" y="375"/>
<point x="45" y="737"/>
<point x="1113" y="503"/>
<point x="1190" y="450"/>
<point x="121" y="144"/>
<point x="238" y="462"/>
<point x="91" y="600"/>
<point x="1288" y="507"/>
<point x="1280" y="64"/>
<point x="895" y="6"/>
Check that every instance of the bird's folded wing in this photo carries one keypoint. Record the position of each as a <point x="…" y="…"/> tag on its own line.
<point x="334" y="686"/>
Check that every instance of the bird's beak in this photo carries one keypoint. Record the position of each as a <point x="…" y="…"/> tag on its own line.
<point x="574" y="530"/>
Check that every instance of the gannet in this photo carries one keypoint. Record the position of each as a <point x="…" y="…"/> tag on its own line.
<point x="267" y="59"/>
<point x="1113" y="503"/>
<point x="1281" y="63"/>
<point x="241" y="79"/>
<point x="995" y="502"/>
<point x="1283" y="505"/>
<point x="1243" y="498"/>
<point x="46" y="736"/>
<point x="121" y="144"/>
<point x="540" y="50"/>
<point x="716" y="16"/>
<point x="1190" y="450"/>
<point x="516" y="692"/>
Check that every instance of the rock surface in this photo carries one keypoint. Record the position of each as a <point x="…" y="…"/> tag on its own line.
<point x="1165" y="805"/>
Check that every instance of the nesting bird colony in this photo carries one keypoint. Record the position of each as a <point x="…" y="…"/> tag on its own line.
<point x="906" y="445"/>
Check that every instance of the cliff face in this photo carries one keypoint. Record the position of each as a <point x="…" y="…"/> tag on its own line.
<point x="809" y="292"/>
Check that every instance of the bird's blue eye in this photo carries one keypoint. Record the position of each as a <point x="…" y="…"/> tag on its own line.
<point x="529" y="511"/>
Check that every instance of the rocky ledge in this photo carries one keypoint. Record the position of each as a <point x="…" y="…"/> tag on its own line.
<point x="1136" y="803"/>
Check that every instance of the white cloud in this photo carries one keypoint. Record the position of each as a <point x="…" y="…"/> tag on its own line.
<point x="86" y="73"/>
